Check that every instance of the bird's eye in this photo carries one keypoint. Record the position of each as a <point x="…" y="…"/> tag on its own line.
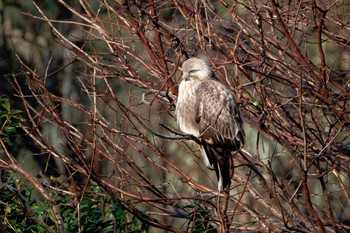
<point x="192" y="71"/>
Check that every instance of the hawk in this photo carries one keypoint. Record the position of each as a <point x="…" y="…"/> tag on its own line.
<point x="206" y="109"/>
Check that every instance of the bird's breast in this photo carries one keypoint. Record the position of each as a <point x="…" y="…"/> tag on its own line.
<point x="186" y="108"/>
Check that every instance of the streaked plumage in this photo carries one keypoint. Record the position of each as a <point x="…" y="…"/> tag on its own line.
<point x="206" y="109"/>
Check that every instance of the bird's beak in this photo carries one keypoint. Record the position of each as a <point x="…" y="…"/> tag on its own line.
<point x="184" y="75"/>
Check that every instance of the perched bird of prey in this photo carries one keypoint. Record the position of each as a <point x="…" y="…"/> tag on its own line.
<point x="206" y="109"/>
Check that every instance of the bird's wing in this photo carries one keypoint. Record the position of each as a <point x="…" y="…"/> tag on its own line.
<point x="218" y="116"/>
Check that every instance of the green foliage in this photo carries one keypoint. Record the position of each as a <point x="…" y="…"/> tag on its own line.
<point x="94" y="212"/>
<point x="22" y="210"/>
<point x="9" y="120"/>
<point x="200" y="218"/>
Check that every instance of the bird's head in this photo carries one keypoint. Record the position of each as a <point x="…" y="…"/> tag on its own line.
<point x="195" y="68"/>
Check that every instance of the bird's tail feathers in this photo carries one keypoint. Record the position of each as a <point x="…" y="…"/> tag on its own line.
<point x="219" y="160"/>
<point x="208" y="157"/>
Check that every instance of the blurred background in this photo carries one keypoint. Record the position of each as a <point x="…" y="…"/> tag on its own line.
<point x="88" y="132"/>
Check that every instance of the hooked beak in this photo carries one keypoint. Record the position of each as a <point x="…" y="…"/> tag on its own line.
<point x="184" y="75"/>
